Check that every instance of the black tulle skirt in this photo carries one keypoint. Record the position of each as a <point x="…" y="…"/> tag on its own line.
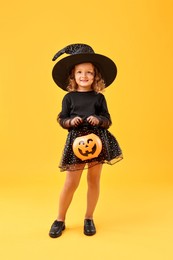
<point x="110" y="152"/>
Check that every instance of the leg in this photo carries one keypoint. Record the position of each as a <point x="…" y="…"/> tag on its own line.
<point x="93" y="179"/>
<point x="70" y="186"/>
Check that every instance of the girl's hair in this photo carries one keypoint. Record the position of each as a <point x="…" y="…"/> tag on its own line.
<point x="98" y="84"/>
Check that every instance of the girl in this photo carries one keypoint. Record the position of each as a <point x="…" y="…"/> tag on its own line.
<point x="85" y="114"/>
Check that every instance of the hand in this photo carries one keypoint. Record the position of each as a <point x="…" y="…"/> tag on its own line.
<point x="76" y="121"/>
<point x="93" y="120"/>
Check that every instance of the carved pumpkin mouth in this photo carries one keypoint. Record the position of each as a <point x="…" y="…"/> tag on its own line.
<point x="88" y="152"/>
<point x="87" y="147"/>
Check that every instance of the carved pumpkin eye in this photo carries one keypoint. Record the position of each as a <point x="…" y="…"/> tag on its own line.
<point x="87" y="147"/>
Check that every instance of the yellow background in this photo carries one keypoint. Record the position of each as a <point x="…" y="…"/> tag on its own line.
<point x="134" y="214"/>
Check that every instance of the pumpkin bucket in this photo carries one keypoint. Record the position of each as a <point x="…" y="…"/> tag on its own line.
<point x="87" y="147"/>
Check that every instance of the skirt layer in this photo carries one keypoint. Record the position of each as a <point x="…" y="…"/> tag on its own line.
<point x="110" y="153"/>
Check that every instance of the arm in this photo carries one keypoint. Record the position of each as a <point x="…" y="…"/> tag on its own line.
<point x="64" y="123"/>
<point x="104" y="122"/>
<point x="102" y="118"/>
<point x="64" y="117"/>
<point x="70" y="122"/>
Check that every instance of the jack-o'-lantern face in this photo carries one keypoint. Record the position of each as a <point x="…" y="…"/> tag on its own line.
<point x="87" y="147"/>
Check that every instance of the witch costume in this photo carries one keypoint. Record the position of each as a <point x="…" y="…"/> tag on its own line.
<point x="86" y="145"/>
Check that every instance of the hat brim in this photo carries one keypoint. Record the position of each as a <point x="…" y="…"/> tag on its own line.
<point x="62" y="68"/>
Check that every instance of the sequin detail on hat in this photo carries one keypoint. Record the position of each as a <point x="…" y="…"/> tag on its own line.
<point x="74" y="49"/>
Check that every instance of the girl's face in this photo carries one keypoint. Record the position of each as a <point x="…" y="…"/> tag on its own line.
<point x="84" y="76"/>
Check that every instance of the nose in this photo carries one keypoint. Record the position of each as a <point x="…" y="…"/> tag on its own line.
<point x="83" y="74"/>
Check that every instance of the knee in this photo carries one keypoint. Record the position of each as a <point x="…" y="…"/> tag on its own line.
<point x="93" y="182"/>
<point x="93" y="176"/>
<point x="71" y="185"/>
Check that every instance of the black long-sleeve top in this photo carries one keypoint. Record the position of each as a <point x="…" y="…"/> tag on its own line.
<point x="84" y="104"/>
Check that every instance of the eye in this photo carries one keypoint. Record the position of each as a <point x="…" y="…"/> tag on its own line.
<point x="90" y="72"/>
<point x="89" y="140"/>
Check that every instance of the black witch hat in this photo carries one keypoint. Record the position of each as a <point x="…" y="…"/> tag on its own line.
<point x="81" y="53"/>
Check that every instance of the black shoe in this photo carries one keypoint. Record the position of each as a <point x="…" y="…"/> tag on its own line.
<point x="56" y="229"/>
<point x="89" y="227"/>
